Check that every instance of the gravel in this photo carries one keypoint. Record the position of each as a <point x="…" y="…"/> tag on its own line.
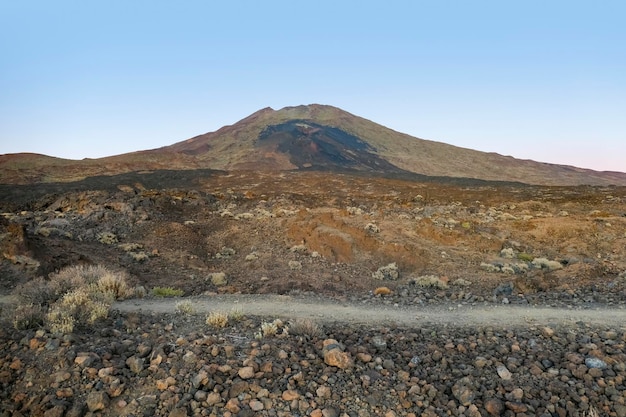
<point x="136" y="364"/>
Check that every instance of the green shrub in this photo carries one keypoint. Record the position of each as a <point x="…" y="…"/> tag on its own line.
<point x="167" y="292"/>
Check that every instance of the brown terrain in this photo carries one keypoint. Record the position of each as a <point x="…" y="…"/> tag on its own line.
<point x="442" y="287"/>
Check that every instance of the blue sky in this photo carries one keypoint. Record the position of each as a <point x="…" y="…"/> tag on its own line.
<point x="542" y="80"/>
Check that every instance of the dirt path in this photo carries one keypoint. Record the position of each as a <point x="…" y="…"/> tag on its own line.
<point x="287" y="307"/>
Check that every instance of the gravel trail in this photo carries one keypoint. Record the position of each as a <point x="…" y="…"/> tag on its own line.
<point x="332" y="311"/>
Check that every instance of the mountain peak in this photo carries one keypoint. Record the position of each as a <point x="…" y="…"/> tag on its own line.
<point x="315" y="137"/>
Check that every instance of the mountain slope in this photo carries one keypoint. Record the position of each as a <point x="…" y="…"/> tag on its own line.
<point x="240" y="147"/>
<point x="309" y="137"/>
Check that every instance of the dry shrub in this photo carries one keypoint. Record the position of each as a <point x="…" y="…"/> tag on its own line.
<point x="269" y="328"/>
<point x="217" y="319"/>
<point x="274" y="328"/>
<point x="39" y="292"/>
<point x="236" y="314"/>
<point x="60" y="320"/>
<point x="305" y="327"/>
<point x="382" y="291"/>
<point x="185" y="307"/>
<point x="27" y="316"/>
<point x="430" y="281"/>
<point x="71" y="277"/>
<point x="97" y="310"/>
<point x="76" y="295"/>
<point x="114" y="284"/>
<point x="388" y="272"/>
<point x="544" y="263"/>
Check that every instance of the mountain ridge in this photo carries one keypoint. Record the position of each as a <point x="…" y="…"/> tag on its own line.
<point x="308" y="137"/>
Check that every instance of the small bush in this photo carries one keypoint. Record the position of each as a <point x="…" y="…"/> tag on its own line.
<point x="252" y="256"/>
<point x="269" y="329"/>
<point x="139" y="256"/>
<point x="60" y="320"/>
<point x="462" y="283"/>
<point x="544" y="263"/>
<point x="218" y="279"/>
<point x="113" y="284"/>
<point x="167" y="292"/>
<point x="305" y="327"/>
<point x="236" y="314"/>
<point x="139" y="291"/>
<point x="185" y="307"/>
<point x="217" y="319"/>
<point x="274" y="328"/>
<point x="298" y="249"/>
<point x="97" y="310"/>
<point x="39" y="292"/>
<point x="382" y="291"/>
<point x="388" y="272"/>
<point x="129" y="247"/>
<point x="27" y="316"/>
<point x="295" y="265"/>
<point x="107" y="238"/>
<point x="429" y="281"/>
<point x="76" y="295"/>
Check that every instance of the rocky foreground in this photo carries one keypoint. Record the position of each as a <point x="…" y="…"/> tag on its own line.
<point x="176" y="365"/>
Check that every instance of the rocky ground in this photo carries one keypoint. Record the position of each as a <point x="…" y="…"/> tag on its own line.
<point x="370" y="243"/>
<point x="173" y="364"/>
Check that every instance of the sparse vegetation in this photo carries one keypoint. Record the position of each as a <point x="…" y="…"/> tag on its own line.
<point x="218" y="279"/>
<point x="185" y="307"/>
<point x="525" y="257"/>
<point x="388" y="272"/>
<point x="295" y="265"/>
<point x="272" y="328"/>
<point x="236" y="315"/>
<point x="305" y="327"/>
<point x="382" y="291"/>
<point x="139" y="256"/>
<point x="28" y="316"/>
<point x="107" y="238"/>
<point x="545" y="263"/>
<point x="76" y="295"/>
<point x="167" y="292"/>
<point x="429" y="281"/>
<point x="217" y="319"/>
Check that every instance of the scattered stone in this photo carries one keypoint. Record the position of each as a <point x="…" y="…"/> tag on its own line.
<point x="256" y="405"/>
<point x="335" y="356"/>
<point x="97" y="400"/>
<point x="135" y="364"/>
<point x="290" y="395"/>
<point x="494" y="406"/>
<point x="503" y="372"/>
<point x="516" y="407"/>
<point x="595" y="363"/>
<point x="463" y="391"/>
<point x="246" y="372"/>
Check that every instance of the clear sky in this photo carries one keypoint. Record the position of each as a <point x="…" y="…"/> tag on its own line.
<point x="542" y="80"/>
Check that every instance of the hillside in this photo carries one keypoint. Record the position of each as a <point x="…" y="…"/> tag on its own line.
<point x="313" y="137"/>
